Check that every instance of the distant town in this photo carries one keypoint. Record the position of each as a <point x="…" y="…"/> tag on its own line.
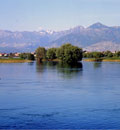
<point x="15" y="55"/>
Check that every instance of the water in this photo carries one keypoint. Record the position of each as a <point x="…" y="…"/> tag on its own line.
<point x="56" y="96"/>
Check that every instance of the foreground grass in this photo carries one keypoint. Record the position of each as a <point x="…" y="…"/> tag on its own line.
<point x="14" y="60"/>
<point x="113" y="59"/>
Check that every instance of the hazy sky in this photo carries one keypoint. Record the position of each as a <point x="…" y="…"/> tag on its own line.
<point x="57" y="14"/>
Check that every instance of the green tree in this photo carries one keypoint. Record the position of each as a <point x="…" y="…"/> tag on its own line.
<point x="85" y="55"/>
<point x="51" y="53"/>
<point x="97" y="54"/>
<point x="69" y="53"/>
<point x="30" y="56"/>
<point x="108" y="54"/>
<point x="89" y="55"/>
<point x="117" y="54"/>
<point x="23" y="55"/>
<point x="40" y="53"/>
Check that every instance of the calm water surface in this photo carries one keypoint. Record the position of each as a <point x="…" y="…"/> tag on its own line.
<point x="52" y="96"/>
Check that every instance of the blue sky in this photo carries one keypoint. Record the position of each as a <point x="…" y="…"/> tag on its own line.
<point x="30" y="15"/>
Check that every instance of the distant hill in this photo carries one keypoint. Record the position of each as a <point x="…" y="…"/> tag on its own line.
<point x="96" y="33"/>
<point x="103" y="46"/>
<point x="97" y="37"/>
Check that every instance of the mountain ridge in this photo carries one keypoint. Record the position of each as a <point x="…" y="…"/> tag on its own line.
<point x="81" y="36"/>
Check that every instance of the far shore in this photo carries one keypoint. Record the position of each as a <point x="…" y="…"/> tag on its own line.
<point x="14" y="61"/>
<point x="102" y="59"/>
<point x="57" y="60"/>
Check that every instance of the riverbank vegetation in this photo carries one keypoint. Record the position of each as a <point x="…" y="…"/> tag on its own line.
<point x="13" y="60"/>
<point x="102" y="56"/>
<point x="66" y="53"/>
<point x="23" y="57"/>
<point x="27" y="56"/>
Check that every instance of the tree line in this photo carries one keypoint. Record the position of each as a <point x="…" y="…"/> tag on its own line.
<point x="106" y="54"/>
<point x="67" y="53"/>
<point x="27" y="56"/>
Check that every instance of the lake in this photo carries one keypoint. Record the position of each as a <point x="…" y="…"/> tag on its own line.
<point x="57" y="96"/>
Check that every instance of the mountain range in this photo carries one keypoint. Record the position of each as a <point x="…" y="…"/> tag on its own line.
<point x="97" y="37"/>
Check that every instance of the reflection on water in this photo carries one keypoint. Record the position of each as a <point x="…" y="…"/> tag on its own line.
<point x="40" y="67"/>
<point x="97" y="64"/>
<point x="31" y="63"/>
<point x="70" y="71"/>
<point x="67" y="70"/>
<point x="51" y="64"/>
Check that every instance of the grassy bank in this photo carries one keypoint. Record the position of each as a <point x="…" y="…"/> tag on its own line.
<point x="13" y="61"/>
<point x="113" y="59"/>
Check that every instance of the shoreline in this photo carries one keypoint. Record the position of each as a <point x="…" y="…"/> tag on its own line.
<point x="14" y="61"/>
<point x="56" y="60"/>
<point x="101" y="60"/>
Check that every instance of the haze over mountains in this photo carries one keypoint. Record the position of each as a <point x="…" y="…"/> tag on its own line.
<point x="97" y="37"/>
